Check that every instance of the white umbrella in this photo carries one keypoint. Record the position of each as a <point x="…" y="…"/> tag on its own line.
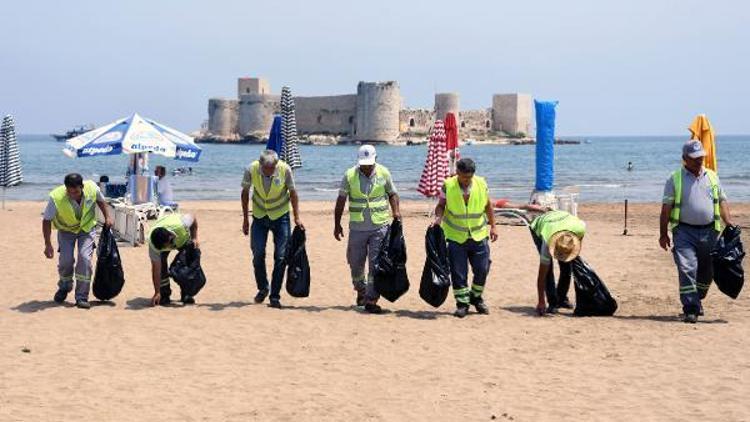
<point x="134" y="135"/>
<point x="11" y="173"/>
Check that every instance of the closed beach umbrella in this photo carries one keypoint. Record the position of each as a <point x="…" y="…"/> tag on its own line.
<point x="436" y="165"/>
<point x="275" y="140"/>
<point x="702" y="130"/>
<point x="134" y="135"/>
<point x="11" y="173"/>
<point x="290" y="150"/>
<point x="451" y="141"/>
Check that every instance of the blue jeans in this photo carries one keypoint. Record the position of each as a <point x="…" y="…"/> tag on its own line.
<point x="460" y="256"/>
<point x="258" y="239"/>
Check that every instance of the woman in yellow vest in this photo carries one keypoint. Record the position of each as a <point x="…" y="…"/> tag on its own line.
<point x="71" y="210"/>
<point x="372" y="198"/>
<point x="169" y="233"/>
<point x="273" y="192"/>
<point x="465" y="213"/>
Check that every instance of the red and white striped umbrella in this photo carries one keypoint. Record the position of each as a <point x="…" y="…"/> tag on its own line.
<point x="436" y="165"/>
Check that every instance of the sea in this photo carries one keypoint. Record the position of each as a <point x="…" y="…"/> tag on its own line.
<point x="596" y="169"/>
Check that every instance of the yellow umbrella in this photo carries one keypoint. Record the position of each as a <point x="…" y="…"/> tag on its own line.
<point x="702" y="130"/>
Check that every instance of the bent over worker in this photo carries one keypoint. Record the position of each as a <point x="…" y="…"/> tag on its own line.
<point x="172" y="232"/>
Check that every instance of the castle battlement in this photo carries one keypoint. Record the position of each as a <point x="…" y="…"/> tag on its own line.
<point x="375" y="113"/>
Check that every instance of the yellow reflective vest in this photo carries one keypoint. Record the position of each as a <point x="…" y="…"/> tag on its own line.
<point x="376" y="200"/>
<point x="462" y="220"/>
<point x="674" y="216"/>
<point x="65" y="217"/>
<point x="275" y="203"/>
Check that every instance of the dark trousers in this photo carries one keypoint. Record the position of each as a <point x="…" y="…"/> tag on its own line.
<point x="460" y="255"/>
<point x="258" y="239"/>
<point x="164" y="288"/>
<point x="555" y="294"/>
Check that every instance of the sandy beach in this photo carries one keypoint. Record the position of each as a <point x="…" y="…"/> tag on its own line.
<point x="320" y="358"/>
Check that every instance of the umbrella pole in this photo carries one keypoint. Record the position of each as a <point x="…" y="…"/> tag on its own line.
<point x="625" y="232"/>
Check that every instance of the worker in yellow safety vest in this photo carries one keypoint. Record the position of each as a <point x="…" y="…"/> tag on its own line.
<point x="274" y="194"/>
<point x="71" y="210"/>
<point x="693" y="206"/>
<point x="373" y="201"/>
<point x="465" y="213"/>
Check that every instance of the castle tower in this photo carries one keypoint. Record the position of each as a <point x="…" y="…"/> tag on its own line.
<point x="256" y="114"/>
<point x="252" y="86"/>
<point x="511" y="113"/>
<point x="222" y="117"/>
<point x="378" y="106"/>
<point x="446" y="103"/>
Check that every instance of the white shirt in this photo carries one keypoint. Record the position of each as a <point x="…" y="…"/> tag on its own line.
<point x="164" y="191"/>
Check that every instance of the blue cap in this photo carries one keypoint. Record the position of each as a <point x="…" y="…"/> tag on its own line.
<point x="693" y="149"/>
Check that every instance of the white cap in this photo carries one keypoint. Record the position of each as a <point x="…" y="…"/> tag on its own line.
<point x="366" y="155"/>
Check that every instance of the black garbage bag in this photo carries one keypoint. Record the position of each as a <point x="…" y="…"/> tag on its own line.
<point x="727" y="257"/>
<point x="109" y="276"/>
<point x="436" y="275"/>
<point x="298" y="267"/>
<point x="592" y="296"/>
<point x="391" y="280"/>
<point x="186" y="270"/>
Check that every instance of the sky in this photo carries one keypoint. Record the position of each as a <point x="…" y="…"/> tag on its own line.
<point x="632" y="67"/>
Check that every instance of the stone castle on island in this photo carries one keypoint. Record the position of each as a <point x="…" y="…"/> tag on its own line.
<point x="374" y="114"/>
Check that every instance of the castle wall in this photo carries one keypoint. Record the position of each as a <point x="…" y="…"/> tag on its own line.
<point x="256" y="114"/>
<point x="415" y="121"/>
<point x="222" y="117"/>
<point x="335" y="115"/>
<point x="378" y="106"/>
<point x="446" y="103"/>
<point x="512" y="113"/>
<point x="475" y="121"/>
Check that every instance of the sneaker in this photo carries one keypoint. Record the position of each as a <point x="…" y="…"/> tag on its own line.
<point x="565" y="303"/>
<point x="690" y="318"/>
<point x="60" y="295"/>
<point x="275" y="303"/>
<point x="461" y="311"/>
<point x="83" y="304"/>
<point x="361" y="299"/>
<point x="551" y="309"/>
<point x="373" y="308"/>
<point x="479" y="305"/>
<point x="261" y="296"/>
<point x="165" y="300"/>
<point x="187" y="300"/>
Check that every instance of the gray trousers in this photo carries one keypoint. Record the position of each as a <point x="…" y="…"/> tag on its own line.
<point x="69" y="264"/>
<point x="692" y="254"/>
<point x="364" y="246"/>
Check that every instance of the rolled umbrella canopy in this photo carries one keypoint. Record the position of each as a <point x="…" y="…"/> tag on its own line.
<point x="134" y="135"/>
<point x="290" y="150"/>
<point x="11" y="173"/>
<point x="451" y="142"/>
<point x="436" y="164"/>
<point x="275" y="140"/>
<point x="702" y="130"/>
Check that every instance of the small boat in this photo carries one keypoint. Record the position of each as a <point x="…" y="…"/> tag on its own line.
<point x="78" y="130"/>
